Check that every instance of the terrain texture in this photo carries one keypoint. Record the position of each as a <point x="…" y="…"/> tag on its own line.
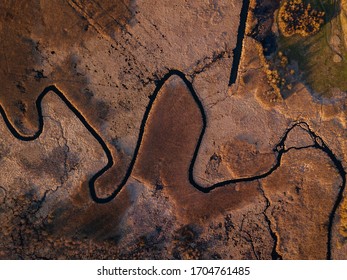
<point x="181" y="129"/>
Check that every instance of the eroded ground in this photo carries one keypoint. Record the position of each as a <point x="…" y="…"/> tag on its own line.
<point x="122" y="137"/>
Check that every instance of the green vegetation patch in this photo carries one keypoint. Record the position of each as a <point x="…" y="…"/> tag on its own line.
<point x="322" y="55"/>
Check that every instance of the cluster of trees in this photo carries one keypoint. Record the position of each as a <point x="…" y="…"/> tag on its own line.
<point x="279" y="75"/>
<point x="296" y="17"/>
